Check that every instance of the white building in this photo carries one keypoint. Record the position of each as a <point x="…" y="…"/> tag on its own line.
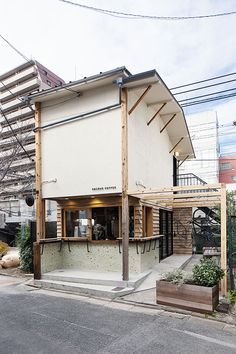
<point x="17" y="141"/>
<point x="102" y="138"/>
<point x="203" y="129"/>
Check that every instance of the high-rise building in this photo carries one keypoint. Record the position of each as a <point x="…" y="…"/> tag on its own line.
<point x="203" y="128"/>
<point x="17" y="142"/>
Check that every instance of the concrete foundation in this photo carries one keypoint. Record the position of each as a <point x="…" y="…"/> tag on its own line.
<point x="98" y="257"/>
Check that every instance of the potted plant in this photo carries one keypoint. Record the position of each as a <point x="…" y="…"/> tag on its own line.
<point x="198" y="291"/>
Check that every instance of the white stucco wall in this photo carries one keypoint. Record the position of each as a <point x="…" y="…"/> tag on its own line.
<point x="149" y="160"/>
<point x="83" y="154"/>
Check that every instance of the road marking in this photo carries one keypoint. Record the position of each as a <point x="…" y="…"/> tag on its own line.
<point x="207" y="339"/>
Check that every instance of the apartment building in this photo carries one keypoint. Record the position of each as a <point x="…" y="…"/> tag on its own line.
<point x="203" y="129"/>
<point x="17" y="141"/>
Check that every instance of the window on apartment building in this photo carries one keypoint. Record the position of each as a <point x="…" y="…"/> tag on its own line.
<point x="233" y="178"/>
<point x="147" y="221"/>
<point x="225" y="166"/>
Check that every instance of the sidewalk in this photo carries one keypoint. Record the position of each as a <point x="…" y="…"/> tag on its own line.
<point x="146" y="292"/>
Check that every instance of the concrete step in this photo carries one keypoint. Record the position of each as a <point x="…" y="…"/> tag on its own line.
<point x="104" y="279"/>
<point x="104" y="291"/>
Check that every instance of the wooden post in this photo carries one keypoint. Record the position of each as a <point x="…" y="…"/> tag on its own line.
<point x="223" y="240"/>
<point x="40" y="203"/>
<point x="36" y="260"/>
<point x="125" y="202"/>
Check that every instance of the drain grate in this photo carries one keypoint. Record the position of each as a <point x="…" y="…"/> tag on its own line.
<point x="118" y="288"/>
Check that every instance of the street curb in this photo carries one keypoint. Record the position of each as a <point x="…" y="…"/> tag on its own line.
<point x="168" y="309"/>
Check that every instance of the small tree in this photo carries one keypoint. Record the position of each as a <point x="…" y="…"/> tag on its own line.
<point x="25" y="245"/>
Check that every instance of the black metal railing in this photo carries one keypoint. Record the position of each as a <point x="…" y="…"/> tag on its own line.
<point x="189" y="179"/>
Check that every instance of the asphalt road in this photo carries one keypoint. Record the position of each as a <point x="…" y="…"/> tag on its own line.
<point x="42" y="322"/>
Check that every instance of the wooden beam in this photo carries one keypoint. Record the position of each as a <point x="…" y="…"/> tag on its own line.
<point x="197" y="200"/>
<point x="36" y="260"/>
<point x="139" y="100"/>
<point x="195" y="204"/>
<point x="175" y="189"/>
<point x="183" y="161"/>
<point x="40" y="204"/>
<point x="176" y="145"/>
<point x="223" y="240"/>
<point x="159" y="102"/>
<point x="159" y="110"/>
<point x="182" y="195"/>
<point x="167" y="123"/>
<point x="125" y="201"/>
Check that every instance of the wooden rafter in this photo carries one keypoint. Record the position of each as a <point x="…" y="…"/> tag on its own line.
<point x="181" y="163"/>
<point x="139" y="193"/>
<point x="139" y="99"/>
<point x="167" y="123"/>
<point x="176" y="145"/>
<point x="205" y="195"/>
<point x="158" y="111"/>
<point x="182" y="195"/>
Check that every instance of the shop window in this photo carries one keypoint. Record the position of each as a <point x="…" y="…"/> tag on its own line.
<point x="78" y="223"/>
<point x="147" y="221"/>
<point x="105" y="223"/>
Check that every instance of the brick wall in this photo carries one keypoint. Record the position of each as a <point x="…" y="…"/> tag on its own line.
<point x="182" y="228"/>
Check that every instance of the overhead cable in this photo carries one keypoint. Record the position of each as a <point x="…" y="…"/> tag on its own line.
<point x="15" y="136"/>
<point x="15" y="49"/>
<point x="205" y="80"/>
<point x="133" y="16"/>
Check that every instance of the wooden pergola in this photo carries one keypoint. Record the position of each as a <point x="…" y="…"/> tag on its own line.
<point x="192" y="197"/>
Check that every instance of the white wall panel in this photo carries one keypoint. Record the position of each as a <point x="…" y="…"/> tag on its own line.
<point x="82" y="155"/>
<point x="149" y="159"/>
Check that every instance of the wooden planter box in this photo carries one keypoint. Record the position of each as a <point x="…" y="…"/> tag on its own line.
<point x="189" y="297"/>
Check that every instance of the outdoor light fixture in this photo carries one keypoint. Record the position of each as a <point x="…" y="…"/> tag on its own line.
<point x="176" y="153"/>
<point x="29" y="199"/>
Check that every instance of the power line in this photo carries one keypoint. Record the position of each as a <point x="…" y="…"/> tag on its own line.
<point x="203" y="87"/>
<point x="223" y="97"/>
<point x="18" y="141"/>
<point x="205" y="80"/>
<point x="143" y="17"/>
<point x="15" y="49"/>
<point x="206" y="95"/>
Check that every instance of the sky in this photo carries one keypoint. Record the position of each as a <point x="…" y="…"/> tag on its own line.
<point x="75" y="42"/>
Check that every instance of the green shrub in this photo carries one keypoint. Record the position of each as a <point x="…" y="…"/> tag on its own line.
<point x="232" y="296"/>
<point x="207" y="273"/>
<point x="179" y="277"/>
<point x="25" y="246"/>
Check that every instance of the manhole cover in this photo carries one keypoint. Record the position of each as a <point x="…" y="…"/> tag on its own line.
<point x="118" y="288"/>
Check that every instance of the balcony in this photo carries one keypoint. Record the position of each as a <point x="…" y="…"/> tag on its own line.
<point x="16" y="79"/>
<point x="20" y="89"/>
<point x="19" y="115"/>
